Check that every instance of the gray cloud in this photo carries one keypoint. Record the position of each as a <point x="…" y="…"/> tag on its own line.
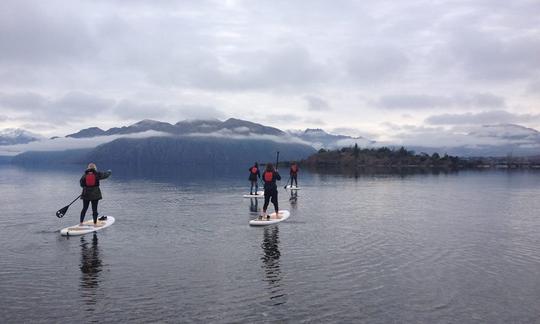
<point x="534" y="87"/>
<point x="316" y="104"/>
<point x="69" y="107"/>
<point x="31" y="33"/>
<point x="482" y="118"/>
<point x="487" y="56"/>
<point x="314" y="121"/>
<point x="476" y="55"/>
<point x="282" y="118"/>
<point x="354" y="132"/>
<point x="479" y="100"/>
<point x="128" y="109"/>
<point x="377" y="63"/>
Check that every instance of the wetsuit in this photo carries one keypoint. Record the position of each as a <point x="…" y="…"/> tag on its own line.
<point x="294" y="174"/>
<point x="253" y="178"/>
<point x="91" y="193"/>
<point x="270" y="189"/>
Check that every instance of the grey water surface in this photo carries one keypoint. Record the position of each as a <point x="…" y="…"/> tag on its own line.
<point x="425" y="248"/>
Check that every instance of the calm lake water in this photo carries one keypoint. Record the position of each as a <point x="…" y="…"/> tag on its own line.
<point x="447" y="248"/>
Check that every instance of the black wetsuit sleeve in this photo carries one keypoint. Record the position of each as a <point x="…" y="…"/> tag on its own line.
<point x="278" y="177"/>
<point x="82" y="182"/>
<point x="104" y="175"/>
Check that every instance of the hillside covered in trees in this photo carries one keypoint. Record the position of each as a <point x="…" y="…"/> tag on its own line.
<point x="383" y="157"/>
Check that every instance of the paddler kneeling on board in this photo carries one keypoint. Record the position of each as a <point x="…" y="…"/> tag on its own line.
<point x="270" y="176"/>
<point x="91" y="192"/>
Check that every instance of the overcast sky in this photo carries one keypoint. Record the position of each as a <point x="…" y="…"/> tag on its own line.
<point x="371" y="68"/>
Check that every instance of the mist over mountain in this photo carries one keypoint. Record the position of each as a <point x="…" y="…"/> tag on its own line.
<point x="318" y="138"/>
<point x="487" y="140"/>
<point x="13" y="136"/>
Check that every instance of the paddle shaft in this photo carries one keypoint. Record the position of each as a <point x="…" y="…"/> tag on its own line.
<point x="74" y="200"/>
<point x="285" y="187"/>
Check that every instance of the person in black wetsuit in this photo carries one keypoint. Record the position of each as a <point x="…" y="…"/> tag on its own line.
<point x="91" y="192"/>
<point x="294" y="173"/>
<point x="270" y="176"/>
<point x="254" y="176"/>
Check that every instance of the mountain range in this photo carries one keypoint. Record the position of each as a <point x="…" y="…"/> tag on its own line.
<point x="231" y="125"/>
<point x="488" y="140"/>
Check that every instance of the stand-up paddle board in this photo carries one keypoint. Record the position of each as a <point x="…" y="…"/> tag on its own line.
<point x="87" y="227"/>
<point x="292" y="187"/>
<point x="260" y="194"/>
<point x="283" y="215"/>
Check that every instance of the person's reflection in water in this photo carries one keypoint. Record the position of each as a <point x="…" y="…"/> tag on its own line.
<point x="270" y="259"/>
<point x="254" y="206"/>
<point x="293" y="199"/>
<point x="90" y="268"/>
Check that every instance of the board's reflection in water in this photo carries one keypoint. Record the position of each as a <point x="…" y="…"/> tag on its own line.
<point x="91" y="265"/>
<point x="270" y="259"/>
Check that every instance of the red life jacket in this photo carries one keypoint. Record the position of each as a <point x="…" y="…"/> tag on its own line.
<point x="294" y="168"/>
<point x="254" y="170"/>
<point x="268" y="176"/>
<point x="90" y="179"/>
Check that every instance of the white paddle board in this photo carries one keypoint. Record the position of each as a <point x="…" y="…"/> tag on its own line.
<point x="283" y="215"/>
<point x="87" y="227"/>
<point x="260" y="194"/>
<point x="292" y="187"/>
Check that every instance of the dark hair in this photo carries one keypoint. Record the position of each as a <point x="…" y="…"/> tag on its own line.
<point x="269" y="167"/>
<point x="256" y="164"/>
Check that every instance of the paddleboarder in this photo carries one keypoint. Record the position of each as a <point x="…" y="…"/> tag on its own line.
<point x="270" y="176"/>
<point x="91" y="194"/>
<point x="254" y="176"/>
<point x="293" y="172"/>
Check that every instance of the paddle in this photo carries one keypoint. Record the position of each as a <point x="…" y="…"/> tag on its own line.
<point x="287" y="183"/>
<point x="61" y="212"/>
<point x="277" y="159"/>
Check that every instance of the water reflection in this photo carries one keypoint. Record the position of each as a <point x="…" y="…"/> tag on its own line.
<point x="254" y="206"/>
<point x="91" y="265"/>
<point x="293" y="199"/>
<point x="270" y="259"/>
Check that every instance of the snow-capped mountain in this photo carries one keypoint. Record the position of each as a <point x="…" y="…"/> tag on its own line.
<point x="12" y="136"/>
<point x="318" y="138"/>
<point x="486" y="140"/>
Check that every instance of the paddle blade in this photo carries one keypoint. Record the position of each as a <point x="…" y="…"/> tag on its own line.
<point x="60" y="213"/>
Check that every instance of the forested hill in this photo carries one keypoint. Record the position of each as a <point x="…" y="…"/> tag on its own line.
<point x="384" y="157"/>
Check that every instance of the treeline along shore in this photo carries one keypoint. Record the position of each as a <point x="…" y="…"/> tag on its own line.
<point x="354" y="157"/>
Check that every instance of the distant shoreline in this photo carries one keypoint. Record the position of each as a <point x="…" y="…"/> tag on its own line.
<point x="381" y="159"/>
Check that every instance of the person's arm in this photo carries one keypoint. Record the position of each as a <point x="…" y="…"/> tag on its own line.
<point x="104" y="175"/>
<point x="82" y="182"/>
<point x="278" y="177"/>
